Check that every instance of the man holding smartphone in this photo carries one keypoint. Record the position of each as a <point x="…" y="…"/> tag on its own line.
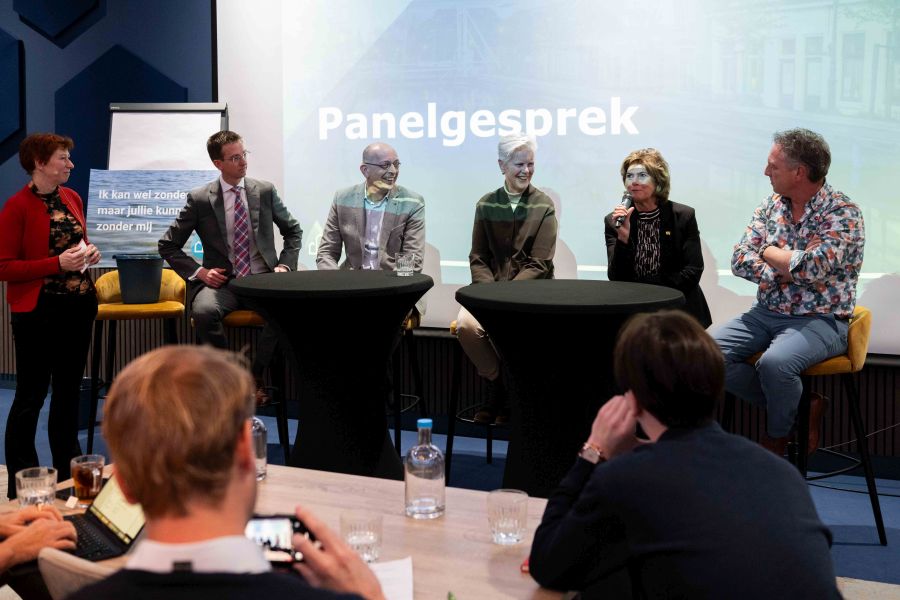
<point x="177" y="423"/>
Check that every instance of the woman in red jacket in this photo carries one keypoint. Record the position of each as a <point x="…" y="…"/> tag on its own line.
<point x="44" y="255"/>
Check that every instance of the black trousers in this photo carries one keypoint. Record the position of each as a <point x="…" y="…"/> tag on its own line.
<point x="51" y="347"/>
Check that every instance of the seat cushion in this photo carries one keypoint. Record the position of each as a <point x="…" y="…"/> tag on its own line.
<point x="117" y="311"/>
<point x="243" y="318"/>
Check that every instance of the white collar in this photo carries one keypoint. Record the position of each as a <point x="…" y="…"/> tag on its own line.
<point x="230" y="554"/>
<point x="227" y="186"/>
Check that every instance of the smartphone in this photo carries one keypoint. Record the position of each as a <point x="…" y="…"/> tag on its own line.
<point x="274" y="534"/>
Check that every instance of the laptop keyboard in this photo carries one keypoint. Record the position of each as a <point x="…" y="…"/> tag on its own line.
<point x="91" y="545"/>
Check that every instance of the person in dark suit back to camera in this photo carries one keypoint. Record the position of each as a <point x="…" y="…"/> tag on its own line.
<point x="691" y="512"/>
<point x="234" y="217"/>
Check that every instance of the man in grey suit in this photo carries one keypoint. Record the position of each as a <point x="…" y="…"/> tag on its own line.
<point x="374" y="221"/>
<point x="234" y="217"/>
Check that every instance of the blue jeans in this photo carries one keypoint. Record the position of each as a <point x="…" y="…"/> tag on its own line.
<point x="791" y="344"/>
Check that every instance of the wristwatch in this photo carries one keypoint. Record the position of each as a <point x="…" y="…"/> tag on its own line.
<point x="591" y="453"/>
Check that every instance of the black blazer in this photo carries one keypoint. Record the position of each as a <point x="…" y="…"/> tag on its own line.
<point x="699" y="514"/>
<point x="681" y="260"/>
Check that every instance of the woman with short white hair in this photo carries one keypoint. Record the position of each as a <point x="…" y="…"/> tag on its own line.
<point x="513" y="238"/>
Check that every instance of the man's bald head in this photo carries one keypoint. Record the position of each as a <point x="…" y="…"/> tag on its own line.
<point x="381" y="168"/>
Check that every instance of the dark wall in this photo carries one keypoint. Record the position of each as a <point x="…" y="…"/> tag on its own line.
<point x="63" y="61"/>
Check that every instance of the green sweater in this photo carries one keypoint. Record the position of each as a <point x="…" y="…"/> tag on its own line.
<point x="509" y="244"/>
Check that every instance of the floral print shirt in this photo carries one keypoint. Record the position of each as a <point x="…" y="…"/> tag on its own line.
<point x="824" y="278"/>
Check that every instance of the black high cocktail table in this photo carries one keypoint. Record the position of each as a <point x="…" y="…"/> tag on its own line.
<point x="338" y="327"/>
<point x="556" y="339"/>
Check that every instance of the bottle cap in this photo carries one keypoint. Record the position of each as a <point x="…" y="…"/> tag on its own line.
<point x="423" y="423"/>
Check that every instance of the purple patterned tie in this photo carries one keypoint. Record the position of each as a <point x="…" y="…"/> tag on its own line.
<point x="241" y="245"/>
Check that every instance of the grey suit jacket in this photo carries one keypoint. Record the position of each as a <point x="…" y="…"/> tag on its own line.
<point x="402" y="230"/>
<point x="204" y="213"/>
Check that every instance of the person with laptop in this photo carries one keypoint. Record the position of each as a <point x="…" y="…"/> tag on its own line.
<point x="24" y="533"/>
<point x="686" y="510"/>
<point x="177" y="425"/>
<point x="28" y="530"/>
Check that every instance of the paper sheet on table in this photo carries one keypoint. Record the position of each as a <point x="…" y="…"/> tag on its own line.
<point x="396" y="578"/>
<point x="81" y="246"/>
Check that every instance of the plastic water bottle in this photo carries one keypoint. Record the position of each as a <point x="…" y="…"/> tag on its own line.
<point x="260" y="446"/>
<point x="424" y="476"/>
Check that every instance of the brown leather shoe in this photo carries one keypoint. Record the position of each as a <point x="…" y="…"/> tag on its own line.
<point x="817" y="405"/>
<point x="776" y="446"/>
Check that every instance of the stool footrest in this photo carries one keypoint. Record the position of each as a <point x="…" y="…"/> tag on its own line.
<point x="467" y="415"/>
<point x="855" y="462"/>
<point x="406" y="407"/>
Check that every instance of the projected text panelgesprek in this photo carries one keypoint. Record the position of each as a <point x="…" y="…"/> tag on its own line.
<point x="453" y="125"/>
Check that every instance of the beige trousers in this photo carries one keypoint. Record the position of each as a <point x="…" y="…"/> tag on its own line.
<point x="477" y="345"/>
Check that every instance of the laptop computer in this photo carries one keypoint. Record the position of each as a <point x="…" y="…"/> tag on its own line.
<point x="109" y="526"/>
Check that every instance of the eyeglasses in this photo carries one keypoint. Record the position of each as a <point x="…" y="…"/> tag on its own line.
<point x="384" y="166"/>
<point x="238" y="157"/>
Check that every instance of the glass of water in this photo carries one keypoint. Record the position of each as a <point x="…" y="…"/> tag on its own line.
<point x="35" y="486"/>
<point x="507" y="516"/>
<point x="361" y="529"/>
<point x="405" y="263"/>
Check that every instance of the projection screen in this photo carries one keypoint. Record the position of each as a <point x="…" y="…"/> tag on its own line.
<point x="310" y="83"/>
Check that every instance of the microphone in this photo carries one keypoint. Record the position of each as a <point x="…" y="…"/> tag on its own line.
<point x="628" y="201"/>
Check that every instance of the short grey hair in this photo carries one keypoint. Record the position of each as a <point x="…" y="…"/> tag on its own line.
<point x="510" y="143"/>
<point x="808" y="148"/>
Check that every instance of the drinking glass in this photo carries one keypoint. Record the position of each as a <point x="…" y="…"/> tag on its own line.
<point x="36" y="486"/>
<point x="405" y="263"/>
<point x="507" y="515"/>
<point x="87" y="474"/>
<point x="361" y="529"/>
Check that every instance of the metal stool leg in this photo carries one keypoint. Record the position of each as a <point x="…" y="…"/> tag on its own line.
<point x="96" y="352"/>
<point x="170" y="332"/>
<point x="453" y="407"/>
<point x="278" y="371"/>
<point x="396" y="400"/>
<point x="862" y="444"/>
<point x="803" y="428"/>
<point x="412" y="349"/>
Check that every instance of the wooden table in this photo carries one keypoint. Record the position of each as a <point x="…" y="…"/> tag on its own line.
<point x="451" y="554"/>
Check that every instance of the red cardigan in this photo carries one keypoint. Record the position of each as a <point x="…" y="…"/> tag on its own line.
<point x="25" y="245"/>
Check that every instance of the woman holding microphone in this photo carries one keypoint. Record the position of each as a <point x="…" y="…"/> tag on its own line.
<point x="655" y="240"/>
<point x="44" y="256"/>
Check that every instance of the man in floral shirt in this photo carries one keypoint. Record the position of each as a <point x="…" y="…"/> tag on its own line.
<point x="804" y="248"/>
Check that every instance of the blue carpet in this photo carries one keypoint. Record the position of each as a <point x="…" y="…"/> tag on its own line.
<point x="856" y="551"/>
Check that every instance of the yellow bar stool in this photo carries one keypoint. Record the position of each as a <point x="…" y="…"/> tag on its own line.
<point x="111" y="310"/>
<point x="844" y="365"/>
